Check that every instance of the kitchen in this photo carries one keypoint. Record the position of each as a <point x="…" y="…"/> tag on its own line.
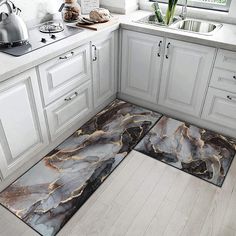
<point x="96" y="112"/>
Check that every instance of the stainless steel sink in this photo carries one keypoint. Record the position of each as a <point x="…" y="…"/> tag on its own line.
<point x="152" y="20"/>
<point x="197" y="26"/>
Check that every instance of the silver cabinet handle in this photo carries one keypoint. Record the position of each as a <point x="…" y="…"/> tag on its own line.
<point x="71" y="54"/>
<point x="95" y="52"/>
<point x="159" y="50"/>
<point x="231" y="98"/>
<point x="71" y="97"/>
<point x="167" y="50"/>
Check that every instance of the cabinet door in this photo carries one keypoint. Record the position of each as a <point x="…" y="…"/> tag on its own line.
<point x="141" y="65"/>
<point x="64" y="73"/>
<point x="22" y="124"/>
<point x="104" y="68"/>
<point x="69" y="110"/>
<point x="186" y="73"/>
<point x="220" y="108"/>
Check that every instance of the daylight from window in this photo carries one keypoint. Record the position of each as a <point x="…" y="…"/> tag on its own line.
<point x="221" y="5"/>
<point x="212" y="1"/>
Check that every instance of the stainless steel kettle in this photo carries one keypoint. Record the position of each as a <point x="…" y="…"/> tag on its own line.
<point x="13" y="29"/>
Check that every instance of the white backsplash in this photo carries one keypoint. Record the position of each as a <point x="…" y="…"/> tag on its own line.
<point x="37" y="9"/>
<point x="120" y="6"/>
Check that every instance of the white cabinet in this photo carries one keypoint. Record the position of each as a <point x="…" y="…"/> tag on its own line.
<point x="64" y="73"/>
<point x="185" y="76"/>
<point x="141" y="65"/>
<point x="22" y="124"/>
<point x="104" y="68"/>
<point x="220" y="108"/>
<point x="69" y="110"/>
<point x="224" y="79"/>
<point x="226" y="60"/>
<point x="220" y="104"/>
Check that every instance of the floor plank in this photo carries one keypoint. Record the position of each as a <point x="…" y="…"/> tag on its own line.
<point x="220" y="204"/>
<point x="146" y="197"/>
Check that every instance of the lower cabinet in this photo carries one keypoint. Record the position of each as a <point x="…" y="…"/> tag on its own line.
<point x="185" y="76"/>
<point x="104" y="67"/>
<point x="141" y="65"/>
<point x="69" y="110"/>
<point x="22" y="124"/>
<point x="220" y="108"/>
<point x="62" y="74"/>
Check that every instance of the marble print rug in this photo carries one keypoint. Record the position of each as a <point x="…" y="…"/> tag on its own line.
<point x="50" y="193"/>
<point x="196" y="151"/>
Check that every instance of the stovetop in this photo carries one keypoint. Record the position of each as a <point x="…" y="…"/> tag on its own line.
<point x="38" y="40"/>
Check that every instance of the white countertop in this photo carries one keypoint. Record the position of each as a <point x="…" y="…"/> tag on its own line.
<point x="224" y="38"/>
<point x="10" y="65"/>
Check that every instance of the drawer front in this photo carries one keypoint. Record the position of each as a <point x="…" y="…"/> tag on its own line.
<point x="223" y="79"/>
<point x="226" y="60"/>
<point x="62" y="74"/>
<point x="220" y="107"/>
<point x="69" y="110"/>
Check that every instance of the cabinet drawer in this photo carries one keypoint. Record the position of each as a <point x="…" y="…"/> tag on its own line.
<point x="62" y="74"/>
<point x="69" y="110"/>
<point x="223" y="79"/>
<point x="220" y="107"/>
<point x="226" y="60"/>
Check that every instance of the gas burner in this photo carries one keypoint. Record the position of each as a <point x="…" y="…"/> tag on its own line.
<point x="51" y="27"/>
<point x="14" y="44"/>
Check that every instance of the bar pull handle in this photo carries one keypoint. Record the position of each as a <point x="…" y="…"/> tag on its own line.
<point x="231" y="98"/>
<point x="95" y="52"/>
<point x="159" y="50"/>
<point x="71" y="97"/>
<point x="71" y="54"/>
<point x="167" y="50"/>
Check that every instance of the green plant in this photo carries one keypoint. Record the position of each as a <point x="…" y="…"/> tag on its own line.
<point x="170" y="11"/>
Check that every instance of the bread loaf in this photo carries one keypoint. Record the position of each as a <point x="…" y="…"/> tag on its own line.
<point x="100" y="15"/>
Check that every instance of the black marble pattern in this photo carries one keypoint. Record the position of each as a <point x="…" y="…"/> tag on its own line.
<point x="197" y="151"/>
<point x="48" y="195"/>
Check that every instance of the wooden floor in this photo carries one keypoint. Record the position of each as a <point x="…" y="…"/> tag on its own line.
<point x="146" y="197"/>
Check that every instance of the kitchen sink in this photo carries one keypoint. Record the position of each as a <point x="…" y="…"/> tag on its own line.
<point x="152" y="20"/>
<point x="196" y="26"/>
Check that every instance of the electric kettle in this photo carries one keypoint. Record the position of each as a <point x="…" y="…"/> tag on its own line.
<point x="13" y="30"/>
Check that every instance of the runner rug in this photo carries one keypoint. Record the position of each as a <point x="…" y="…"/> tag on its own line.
<point x="51" y="192"/>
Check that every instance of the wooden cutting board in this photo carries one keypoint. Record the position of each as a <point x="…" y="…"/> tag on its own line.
<point x="99" y="26"/>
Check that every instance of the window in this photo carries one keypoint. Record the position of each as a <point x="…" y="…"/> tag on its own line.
<point x="220" y="5"/>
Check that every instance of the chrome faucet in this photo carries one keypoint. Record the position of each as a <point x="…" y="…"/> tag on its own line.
<point x="183" y="14"/>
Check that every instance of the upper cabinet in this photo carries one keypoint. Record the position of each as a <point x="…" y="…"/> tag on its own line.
<point x="22" y="125"/>
<point x="186" y="72"/>
<point x="104" y="57"/>
<point x="141" y="65"/>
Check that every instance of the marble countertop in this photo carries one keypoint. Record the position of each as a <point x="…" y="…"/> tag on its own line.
<point x="225" y="38"/>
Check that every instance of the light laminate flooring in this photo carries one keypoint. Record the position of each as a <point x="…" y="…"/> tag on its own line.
<point x="146" y="197"/>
